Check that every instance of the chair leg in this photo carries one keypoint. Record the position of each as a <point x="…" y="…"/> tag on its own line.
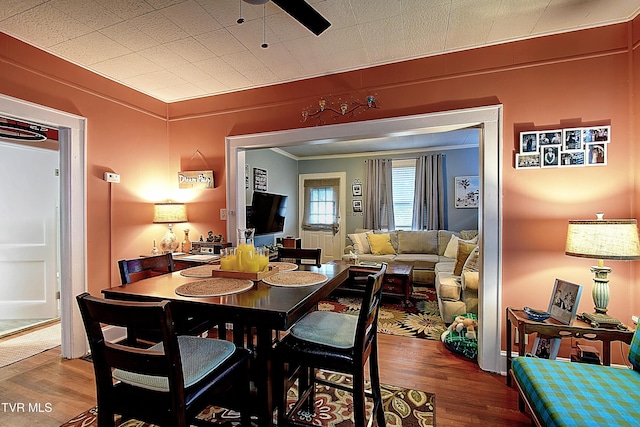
<point x="359" y="413"/>
<point x="375" y="387"/>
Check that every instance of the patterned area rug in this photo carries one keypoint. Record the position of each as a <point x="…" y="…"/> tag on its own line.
<point x="333" y="408"/>
<point x="421" y="320"/>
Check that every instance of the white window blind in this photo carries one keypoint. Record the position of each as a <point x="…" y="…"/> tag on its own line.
<point x="403" y="181"/>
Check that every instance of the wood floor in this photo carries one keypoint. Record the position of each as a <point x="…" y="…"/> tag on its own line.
<point x="46" y="390"/>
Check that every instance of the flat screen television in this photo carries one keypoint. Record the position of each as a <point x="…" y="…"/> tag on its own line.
<point x="267" y="213"/>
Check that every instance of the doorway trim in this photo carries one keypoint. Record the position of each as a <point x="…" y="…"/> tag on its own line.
<point x="488" y="118"/>
<point x="72" y="140"/>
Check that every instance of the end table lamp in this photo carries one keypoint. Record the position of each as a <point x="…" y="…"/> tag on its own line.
<point x="614" y="239"/>
<point x="169" y="213"/>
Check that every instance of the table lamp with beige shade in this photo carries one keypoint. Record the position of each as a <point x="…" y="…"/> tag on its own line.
<point x="611" y="239"/>
<point x="169" y="213"/>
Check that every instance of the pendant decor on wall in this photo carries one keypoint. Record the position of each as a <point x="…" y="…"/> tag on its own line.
<point x="335" y="108"/>
<point x="586" y="146"/>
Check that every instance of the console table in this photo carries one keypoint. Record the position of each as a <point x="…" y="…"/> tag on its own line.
<point x="554" y="329"/>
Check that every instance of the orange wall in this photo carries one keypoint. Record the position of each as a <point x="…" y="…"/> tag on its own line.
<point x="574" y="79"/>
<point x="126" y="134"/>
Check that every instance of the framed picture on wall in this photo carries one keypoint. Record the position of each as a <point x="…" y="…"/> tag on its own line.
<point x="356" y="190"/>
<point x="527" y="160"/>
<point x="357" y="205"/>
<point x="596" y="154"/>
<point x="467" y="192"/>
<point x="528" y="142"/>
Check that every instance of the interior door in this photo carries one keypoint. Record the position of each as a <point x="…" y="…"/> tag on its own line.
<point x="330" y="243"/>
<point x="29" y="187"/>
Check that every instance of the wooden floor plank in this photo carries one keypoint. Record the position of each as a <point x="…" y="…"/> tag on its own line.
<point x="465" y="395"/>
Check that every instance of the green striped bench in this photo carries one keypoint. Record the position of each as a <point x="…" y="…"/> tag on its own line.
<point x="565" y="394"/>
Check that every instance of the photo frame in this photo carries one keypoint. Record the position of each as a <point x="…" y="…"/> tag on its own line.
<point x="357" y="205"/>
<point x="467" y="192"/>
<point x="545" y="347"/>
<point x="356" y="190"/>
<point x="596" y="154"/>
<point x="528" y="161"/>
<point x="570" y="147"/>
<point x="564" y="301"/>
<point x="550" y="156"/>
<point x="550" y="137"/>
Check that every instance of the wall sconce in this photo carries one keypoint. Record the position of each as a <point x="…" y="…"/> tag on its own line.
<point x="169" y="213"/>
<point x="601" y="239"/>
<point x="338" y="108"/>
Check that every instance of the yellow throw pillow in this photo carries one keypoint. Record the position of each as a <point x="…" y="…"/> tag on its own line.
<point x="464" y="249"/>
<point x="380" y="244"/>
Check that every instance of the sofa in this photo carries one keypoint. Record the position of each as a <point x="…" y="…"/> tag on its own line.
<point x="560" y="393"/>
<point x="435" y="257"/>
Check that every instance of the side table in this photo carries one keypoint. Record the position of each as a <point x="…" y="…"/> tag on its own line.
<point x="554" y="329"/>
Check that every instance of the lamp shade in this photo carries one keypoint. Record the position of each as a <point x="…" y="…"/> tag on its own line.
<point x="169" y="213"/>
<point x="615" y="239"/>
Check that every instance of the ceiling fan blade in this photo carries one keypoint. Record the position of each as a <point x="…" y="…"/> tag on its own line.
<point x="301" y="11"/>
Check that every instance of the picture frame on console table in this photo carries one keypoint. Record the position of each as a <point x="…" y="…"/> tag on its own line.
<point x="564" y="301"/>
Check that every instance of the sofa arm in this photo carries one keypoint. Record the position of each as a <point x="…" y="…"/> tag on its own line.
<point x="470" y="280"/>
<point x="348" y="249"/>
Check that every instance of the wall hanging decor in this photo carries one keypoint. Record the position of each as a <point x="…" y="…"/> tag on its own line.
<point x="569" y="147"/>
<point x="199" y="179"/>
<point x="467" y="191"/>
<point x="259" y="179"/>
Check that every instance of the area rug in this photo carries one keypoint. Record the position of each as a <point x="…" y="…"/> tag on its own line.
<point x="333" y="408"/>
<point x="15" y="349"/>
<point x="421" y="320"/>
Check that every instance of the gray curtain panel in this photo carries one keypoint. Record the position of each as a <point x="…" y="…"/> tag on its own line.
<point x="428" y="207"/>
<point x="378" y="200"/>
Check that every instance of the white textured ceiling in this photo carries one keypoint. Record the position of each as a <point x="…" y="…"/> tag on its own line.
<point x="181" y="49"/>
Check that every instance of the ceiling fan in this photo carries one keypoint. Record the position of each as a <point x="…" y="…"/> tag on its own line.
<point x="302" y="12"/>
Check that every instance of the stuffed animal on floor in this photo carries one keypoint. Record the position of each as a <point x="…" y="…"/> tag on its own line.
<point x="461" y="323"/>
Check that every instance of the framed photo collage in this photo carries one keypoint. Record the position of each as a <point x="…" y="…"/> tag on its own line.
<point x="564" y="148"/>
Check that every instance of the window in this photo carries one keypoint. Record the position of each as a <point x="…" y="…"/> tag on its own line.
<point x="403" y="181"/>
<point x="321" y="210"/>
<point x="322" y="203"/>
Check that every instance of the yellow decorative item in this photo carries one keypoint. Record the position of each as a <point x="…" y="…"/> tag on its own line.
<point x="464" y="250"/>
<point x="380" y="244"/>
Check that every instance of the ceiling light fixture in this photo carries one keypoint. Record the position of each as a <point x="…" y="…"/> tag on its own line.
<point x="338" y="108"/>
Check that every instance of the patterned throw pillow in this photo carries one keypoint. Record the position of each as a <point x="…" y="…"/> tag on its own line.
<point x="471" y="264"/>
<point x="464" y="250"/>
<point x="360" y="243"/>
<point x="380" y="244"/>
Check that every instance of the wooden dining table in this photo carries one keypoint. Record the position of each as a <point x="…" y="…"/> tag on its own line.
<point x="263" y="308"/>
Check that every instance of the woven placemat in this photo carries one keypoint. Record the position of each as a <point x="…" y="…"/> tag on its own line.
<point x="284" y="266"/>
<point x="199" y="271"/>
<point x="295" y="278"/>
<point x="214" y="287"/>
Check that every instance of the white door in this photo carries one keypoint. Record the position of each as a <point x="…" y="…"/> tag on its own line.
<point x="29" y="189"/>
<point x="331" y="244"/>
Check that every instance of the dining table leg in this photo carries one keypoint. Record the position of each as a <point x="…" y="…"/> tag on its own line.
<point x="263" y="360"/>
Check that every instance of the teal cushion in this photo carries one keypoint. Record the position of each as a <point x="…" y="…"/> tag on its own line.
<point x="634" y="351"/>
<point x="199" y="356"/>
<point x="336" y="330"/>
<point x="569" y="394"/>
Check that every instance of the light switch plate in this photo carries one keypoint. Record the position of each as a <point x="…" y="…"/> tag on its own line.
<point x="223" y="214"/>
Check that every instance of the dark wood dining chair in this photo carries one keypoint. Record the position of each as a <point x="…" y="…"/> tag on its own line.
<point x="132" y="270"/>
<point x="169" y="383"/>
<point x="301" y="256"/>
<point x="336" y="342"/>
